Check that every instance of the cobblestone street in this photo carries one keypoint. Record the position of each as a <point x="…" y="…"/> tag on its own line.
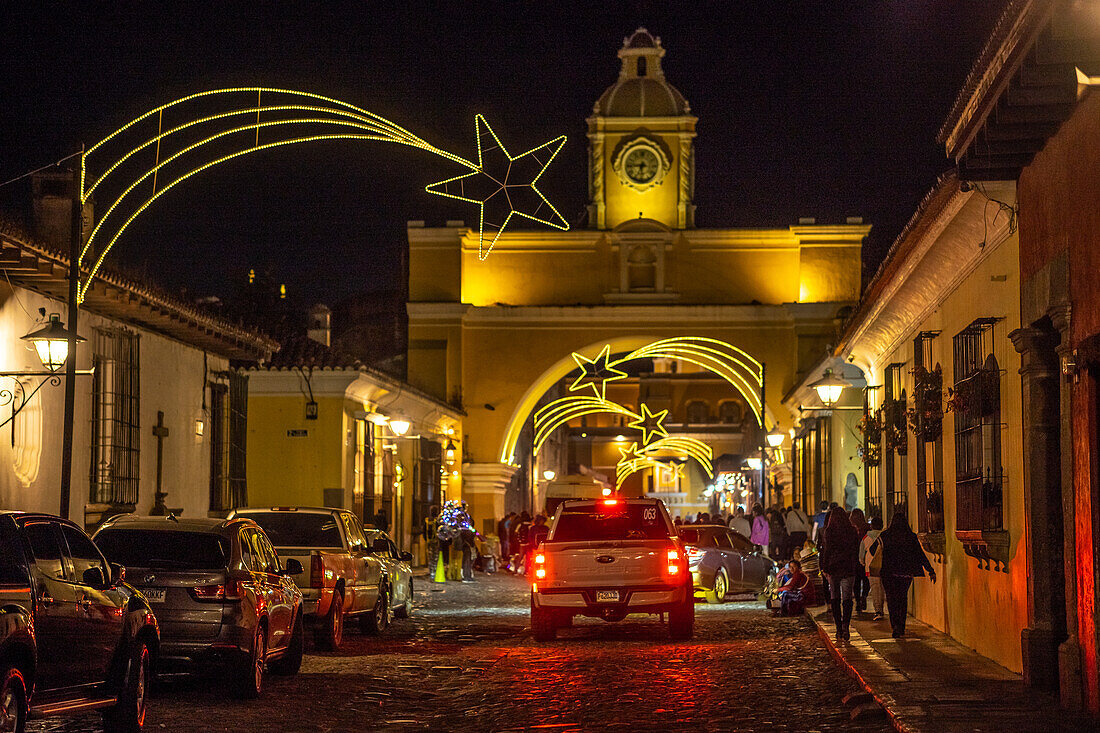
<point x="465" y="661"/>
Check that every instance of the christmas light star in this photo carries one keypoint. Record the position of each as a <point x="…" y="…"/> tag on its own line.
<point x="504" y="185"/>
<point x="596" y="370"/>
<point x="650" y="424"/>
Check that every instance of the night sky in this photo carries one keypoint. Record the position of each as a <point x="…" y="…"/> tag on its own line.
<point x="824" y="109"/>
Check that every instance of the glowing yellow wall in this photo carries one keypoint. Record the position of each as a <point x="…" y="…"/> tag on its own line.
<point x="286" y="470"/>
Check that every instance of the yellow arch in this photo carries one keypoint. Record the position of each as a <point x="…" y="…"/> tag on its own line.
<point x="619" y="345"/>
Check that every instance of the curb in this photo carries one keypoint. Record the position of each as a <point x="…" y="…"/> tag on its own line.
<point x="826" y="630"/>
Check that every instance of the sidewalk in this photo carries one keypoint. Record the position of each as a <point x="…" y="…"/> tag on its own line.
<point x="929" y="682"/>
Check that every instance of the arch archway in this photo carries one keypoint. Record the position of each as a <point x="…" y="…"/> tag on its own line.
<point x="741" y="376"/>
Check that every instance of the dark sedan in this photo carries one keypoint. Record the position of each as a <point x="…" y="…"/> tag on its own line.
<point x="723" y="562"/>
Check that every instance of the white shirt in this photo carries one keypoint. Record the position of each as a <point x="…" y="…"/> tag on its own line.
<point x="797" y="521"/>
<point x="741" y="526"/>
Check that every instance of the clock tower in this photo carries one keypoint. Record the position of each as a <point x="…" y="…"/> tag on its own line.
<point x="641" y="155"/>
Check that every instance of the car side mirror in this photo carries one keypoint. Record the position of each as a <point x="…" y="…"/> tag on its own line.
<point x="407" y="556"/>
<point x="293" y="567"/>
<point x="380" y="545"/>
<point x="118" y="573"/>
<point x="93" y="577"/>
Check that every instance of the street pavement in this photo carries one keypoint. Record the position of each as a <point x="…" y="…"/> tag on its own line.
<point x="465" y="661"/>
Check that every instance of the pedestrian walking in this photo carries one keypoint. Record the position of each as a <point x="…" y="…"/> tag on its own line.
<point x="777" y="535"/>
<point x="872" y="563"/>
<point x="502" y="534"/>
<point x="819" y="523"/>
<point x="862" y="588"/>
<point x="902" y="560"/>
<point x="759" y="532"/>
<point x="741" y="523"/>
<point x="840" y="562"/>
<point x="798" y="527"/>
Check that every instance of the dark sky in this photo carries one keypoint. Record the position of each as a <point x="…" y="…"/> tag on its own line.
<point x="826" y="109"/>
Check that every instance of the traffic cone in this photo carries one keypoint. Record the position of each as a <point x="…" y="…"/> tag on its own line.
<point x="440" y="573"/>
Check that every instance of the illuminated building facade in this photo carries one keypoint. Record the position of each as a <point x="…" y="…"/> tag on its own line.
<point x="495" y="336"/>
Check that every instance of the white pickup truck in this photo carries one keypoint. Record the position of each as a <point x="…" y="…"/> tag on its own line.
<point x="608" y="558"/>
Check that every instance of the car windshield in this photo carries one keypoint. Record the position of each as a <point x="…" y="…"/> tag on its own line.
<point x="152" y="548"/>
<point x="293" y="529"/>
<point x="601" y="522"/>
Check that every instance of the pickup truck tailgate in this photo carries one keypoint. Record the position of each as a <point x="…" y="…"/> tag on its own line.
<point x="626" y="562"/>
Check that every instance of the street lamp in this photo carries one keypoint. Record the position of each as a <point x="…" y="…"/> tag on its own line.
<point x="52" y="343"/>
<point x="829" y="388"/>
<point x="399" y="425"/>
<point x="549" y="475"/>
<point x="449" y="451"/>
<point x="775" y="437"/>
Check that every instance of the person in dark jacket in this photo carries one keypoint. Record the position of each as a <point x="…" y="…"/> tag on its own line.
<point x="902" y="560"/>
<point x="840" y="562"/>
<point x="863" y="586"/>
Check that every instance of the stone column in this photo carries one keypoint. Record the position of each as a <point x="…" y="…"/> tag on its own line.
<point x="1071" y="685"/>
<point x="1042" y="505"/>
<point x="483" y="488"/>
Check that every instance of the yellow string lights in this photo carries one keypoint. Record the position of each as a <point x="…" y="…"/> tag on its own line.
<point x="183" y="150"/>
<point x="635" y="459"/>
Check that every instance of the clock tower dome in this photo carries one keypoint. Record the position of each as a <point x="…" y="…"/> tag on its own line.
<point x="641" y="155"/>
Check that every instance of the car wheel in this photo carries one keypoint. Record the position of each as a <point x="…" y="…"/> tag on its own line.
<point x="405" y="608"/>
<point x="717" y="594"/>
<point x="331" y="632"/>
<point x="13" y="701"/>
<point x="375" y="622"/>
<point x="128" y="714"/>
<point x="291" y="661"/>
<point x="542" y="623"/>
<point x="681" y="621"/>
<point x="248" y="677"/>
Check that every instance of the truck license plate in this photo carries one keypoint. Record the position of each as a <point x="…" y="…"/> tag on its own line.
<point x="153" y="595"/>
<point x="607" y="596"/>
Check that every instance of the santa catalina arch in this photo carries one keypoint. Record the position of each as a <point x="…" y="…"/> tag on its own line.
<point x="497" y="335"/>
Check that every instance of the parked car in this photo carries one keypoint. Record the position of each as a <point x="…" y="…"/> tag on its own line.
<point x="724" y="562"/>
<point x="345" y="577"/>
<point x="396" y="566"/>
<point x="74" y="636"/>
<point x="608" y="558"/>
<point x="219" y="592"/>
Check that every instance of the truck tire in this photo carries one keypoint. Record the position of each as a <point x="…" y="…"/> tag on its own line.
<point x="542" y="623"/>
<point x="377" y="620"/>
<point x="291" y="661"/>
<point x="330" y="633"/>
<point x="681" y="620"/>
<point x="13" y="700"/>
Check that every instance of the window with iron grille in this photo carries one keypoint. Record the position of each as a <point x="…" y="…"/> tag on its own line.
<point x="116" y="429"/>
<point x="976" y="401"/>
<point x="365" y="488"/>
<point x="927" y="424"/>
<point x="428" y="489"/>
<point x="871" y="455"/>
<point x="814" y="462"/>
<point x="228" y="431"/>
<point x="895" y="465"/>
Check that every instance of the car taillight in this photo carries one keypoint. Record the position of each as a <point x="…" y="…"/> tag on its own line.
<point x="540" y="566"/>
<point x="694" y="555"/>
<point x="674" y="563"/>
<point x="316" y="572"/>
<point x="230" y="591"/>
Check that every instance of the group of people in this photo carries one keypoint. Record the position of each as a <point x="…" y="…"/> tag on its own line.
<point x="860" y="559"/>
<point x="782" y="531"/>
<point x="519" y="535"/>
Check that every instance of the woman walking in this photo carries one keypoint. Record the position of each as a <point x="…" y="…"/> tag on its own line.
<point x="862" y="587"/>
<point x="902" y="560"/>
<point x="760" y="532"/>
<point x="840" y="562"/>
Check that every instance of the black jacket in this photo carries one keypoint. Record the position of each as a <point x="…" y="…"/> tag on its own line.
<point x="840" y="555"/>
<point x="902" y="554"/>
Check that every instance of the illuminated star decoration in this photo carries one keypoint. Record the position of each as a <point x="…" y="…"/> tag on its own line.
<point x="132" y="167"/>
<point x="650" y="424"/>
<point x="596" y="373"/>
<point x="504" y="186"/>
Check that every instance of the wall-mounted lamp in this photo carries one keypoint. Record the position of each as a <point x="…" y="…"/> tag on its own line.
<point x="775" y="437"/>
<point x="52" y="343"/>
<point x="449" y="451"/>
<point x="549" y="475"/>
<point x="399" y="425"/>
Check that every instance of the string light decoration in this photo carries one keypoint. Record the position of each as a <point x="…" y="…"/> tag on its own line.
<point x="650" y="424"/>
<point x="561" y="411"/>
<point x="288" y="117"/>
<point x="635" y="459"/>
<point x="501" y="192"/>
<point x="596" y="373"/>
<point x="727" y="361"/>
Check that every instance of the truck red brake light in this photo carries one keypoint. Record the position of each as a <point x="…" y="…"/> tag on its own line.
<point x="675" y="560"/>
<point x="316" y="571"/>
<point x="540" y="567"/>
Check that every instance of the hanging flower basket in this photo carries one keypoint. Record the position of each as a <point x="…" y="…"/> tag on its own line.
<point x="925" y="418"/>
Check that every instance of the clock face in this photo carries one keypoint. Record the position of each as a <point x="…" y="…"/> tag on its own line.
<point x="641" y="165"/>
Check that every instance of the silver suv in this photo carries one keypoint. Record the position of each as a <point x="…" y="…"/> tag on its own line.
<point x="608" y="558"/>
<point x="218" y="591"/>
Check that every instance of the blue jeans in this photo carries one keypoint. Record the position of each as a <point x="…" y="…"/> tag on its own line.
<point x="840" y="599"/>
